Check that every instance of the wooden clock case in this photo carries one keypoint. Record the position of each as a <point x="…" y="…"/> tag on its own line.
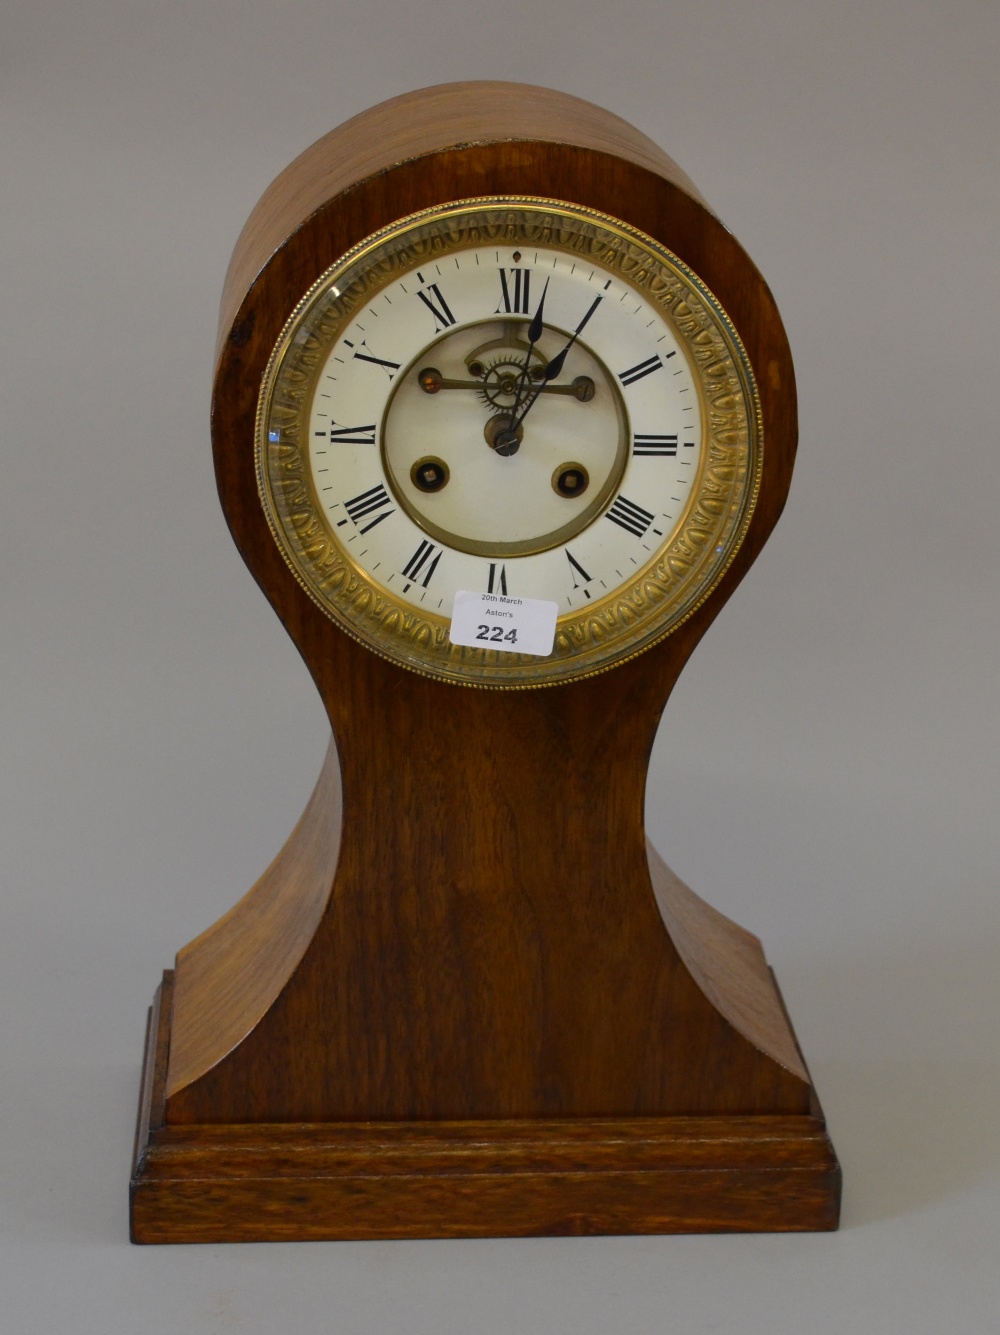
<point x="467" y="997"/>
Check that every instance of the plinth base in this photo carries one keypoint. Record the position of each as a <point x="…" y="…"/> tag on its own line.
<point x="281" y="1183"/>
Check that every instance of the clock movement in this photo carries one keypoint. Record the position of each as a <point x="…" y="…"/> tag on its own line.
<point x="502" y="414"/>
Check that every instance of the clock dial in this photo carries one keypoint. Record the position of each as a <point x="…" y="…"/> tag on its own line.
<point x="509" y="396"/>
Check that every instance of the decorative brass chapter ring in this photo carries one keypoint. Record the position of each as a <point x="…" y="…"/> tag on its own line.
<point x="660" y="594"/>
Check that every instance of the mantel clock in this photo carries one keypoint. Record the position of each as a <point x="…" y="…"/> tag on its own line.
<point x="502" y="415"/>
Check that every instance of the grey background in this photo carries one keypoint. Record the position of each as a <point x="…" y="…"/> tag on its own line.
<point x="827" y="773"/>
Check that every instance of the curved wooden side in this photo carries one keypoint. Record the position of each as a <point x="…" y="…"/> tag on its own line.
<point x="727" y="962"/>
<point x="228" y="977"/>
<point x="449" y="115"/>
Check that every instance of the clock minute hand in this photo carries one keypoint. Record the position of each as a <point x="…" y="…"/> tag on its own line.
<point x="555" y="366"/>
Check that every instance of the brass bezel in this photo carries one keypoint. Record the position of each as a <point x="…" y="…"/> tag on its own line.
<point x="662" y="594"/>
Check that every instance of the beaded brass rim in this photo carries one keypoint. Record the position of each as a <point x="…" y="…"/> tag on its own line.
<point x="661" y="594"/>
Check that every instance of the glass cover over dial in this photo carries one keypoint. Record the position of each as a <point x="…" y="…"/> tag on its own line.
<point x="513" y="396"/>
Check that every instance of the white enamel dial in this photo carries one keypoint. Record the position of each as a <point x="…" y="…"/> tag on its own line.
<point x="397" y="389"/>
<point x="516" y="397"/>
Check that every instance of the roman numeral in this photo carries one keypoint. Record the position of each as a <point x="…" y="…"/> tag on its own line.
<point x="390" y="368"/>
<point x="629" y="516"/>
<point x="418" y="562"/>
<point x="498" y="579"/>
<point x="438" y="307"/>
<point x="653" y="444"/>
<point x="350" y="435"/>
<point x="637" y="372"/>
<point x="576" y="569"/>
<point x="514" y="299"/>
<point x="369" y="502"/>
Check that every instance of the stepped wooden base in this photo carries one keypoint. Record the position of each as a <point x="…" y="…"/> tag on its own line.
<point x="267" y="1182"/>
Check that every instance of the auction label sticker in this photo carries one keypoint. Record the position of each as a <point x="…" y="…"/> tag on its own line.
<point x="510" y="625"/>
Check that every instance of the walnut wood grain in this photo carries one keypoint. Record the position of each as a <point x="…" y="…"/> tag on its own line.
<point x="728" y="964"/>
<point x="235" y="970"/>
<point x="417" y="125"/>
<point x="708" y="1175"/>
<point x="481" y="938"/>
<point x="489" y="1178"/>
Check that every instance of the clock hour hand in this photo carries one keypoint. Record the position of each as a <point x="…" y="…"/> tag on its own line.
<point x="535" y="330"/>
<point x="537" y="325"/>
<point x="508" y="437"/>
